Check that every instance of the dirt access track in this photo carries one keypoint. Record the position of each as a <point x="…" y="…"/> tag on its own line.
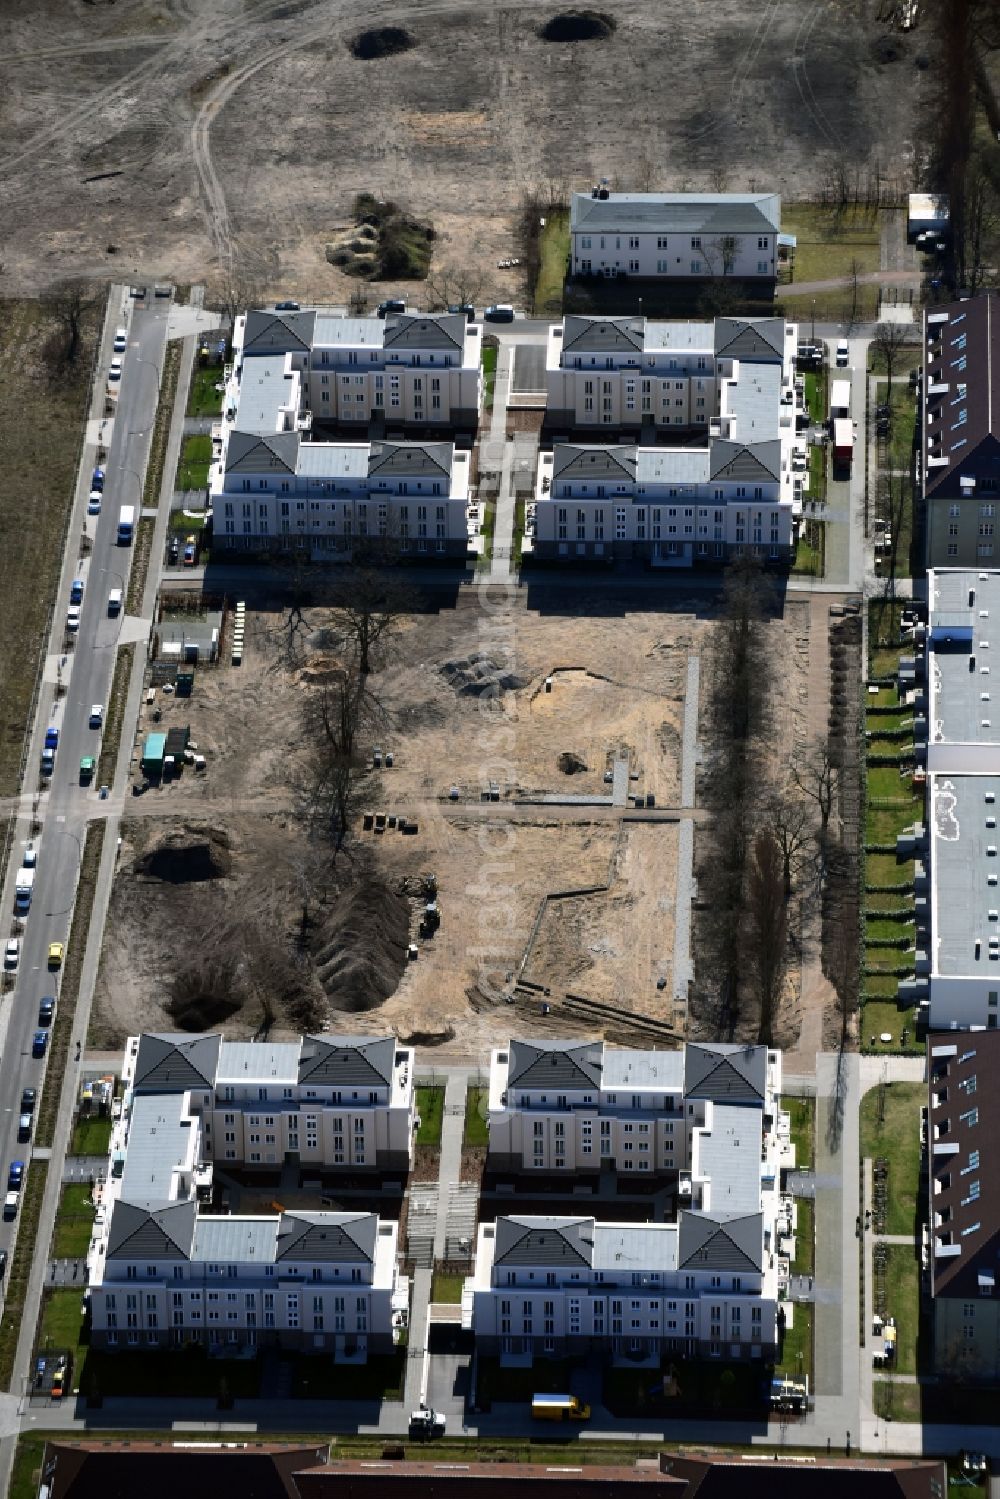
<point x="172" y="138"/>
<point x="219" y="866"/>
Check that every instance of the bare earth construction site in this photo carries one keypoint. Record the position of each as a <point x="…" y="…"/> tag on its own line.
<point x="247" y="923"/>
<point x="166" y="136"/>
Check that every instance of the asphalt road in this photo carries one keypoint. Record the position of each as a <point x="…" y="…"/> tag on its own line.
<point x="87" y="669"/>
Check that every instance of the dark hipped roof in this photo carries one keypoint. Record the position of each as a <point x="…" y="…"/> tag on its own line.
<point x="260" y="453"/>
<point x="755" y="462"/>
<point x="963" y="1127"/>
<point x="73" y="1470"/>
<point x="725" y="1071"/>
<point x="469" y="1480"/>
<point x="330" y="1238"/>
<point x="962" y="424"/>
<point x="720" y="1241"/>
<point x="425" y="330"/>
<point x="750" y="338"/>
<point x="602" y="335"/>
<point x="171" y="1064"/>
<point x="677" y="213"/>
<point x="555" y="1064"/>
<point x="544" y="1241"/>
<point x="592" y="461"/>
<point x="724" y="1475"/>
<point x="411" y="458"/>
<point x="278" y="332"/>
<point x="151" y="1231"/>
<point x="347" y="1061"/>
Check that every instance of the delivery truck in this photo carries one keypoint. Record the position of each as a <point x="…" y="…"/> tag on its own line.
<point x="559" y="1408"/>
<point x="126" y="525"/>
<point x="843" y="444"/>
<point x="23" y="886"/>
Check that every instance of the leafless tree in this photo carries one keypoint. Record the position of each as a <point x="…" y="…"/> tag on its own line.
<point x="245" y="285"/>
<point x="792" y="821"/>
<point x="817" y="775"/>
<point x="855" y="272"/>
<point x="68" y="303"/>
<point x="889" y="339"/>
<point x="369" y="606"/>
<point x="451" y="286"/>
<point x="720" y="254"/>
<point x="976" y="243"/>
<point x="766" y="928"/>
<point x="333" y="716"/>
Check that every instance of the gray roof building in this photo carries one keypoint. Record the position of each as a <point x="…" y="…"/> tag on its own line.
<point x="574" y="461"/>
<point x="445" y="331"/>
<point x="172" y="1063"/>
<point x="721" y="1241"/>
<point x="328" y="1238"/>
<point x="278" y="332"/>
<point x="555" y="1064"/>
<point x="677" y="213"/>
<point x="725" y="1072"/>
<point x="257" y="453"/>
<point x="151" y="1230"/>
<point x="544" y="1241"/>
<point x="428" y="459"/>
<point x="749" y="462"/>
<point x="347" y="1061"/>
<point x="589" y="335"/>
<point x="756" y="339"/>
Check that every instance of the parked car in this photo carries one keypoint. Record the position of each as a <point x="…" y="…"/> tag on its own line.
<point x="30" y="856"/>
<point x="39" y="1041"/>
<point x="97" y="480"/>
<point x="29" y="1097"/>
<point x="87" y="767"/>
<point x="121" y="340"/>
<point x="499" y="312"/>
<point x="467" y="308"/>
<point x="57" y="951"/>
<point x="115" y="601"/>
<point x="10" y="1205"/>
<point x="76" y="591"/>
<point x="391" y="304"/>
<point x="173" y="550"/>
<point x="73" y="618"/>
<point x="96" y="716"/>
<point x="46" y="1010"/>
<point x="51" y="738"/>
<point x="287" y="306"/>
<point x="15" y="1176"/>
<point x="843" y="353"/>
<point x="94" y="503"/>
<point x="12" y="953"/>
<point x="24" y="1124"/>
<point x="3" y="1263"/>
<point x="115" y="372"/>
<point x="190" y="552"/>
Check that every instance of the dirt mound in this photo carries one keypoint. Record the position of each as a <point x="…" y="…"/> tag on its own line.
<point x="186" y="856"/>
<point x="473" y="674"/>
<point x="381" y="41"/>
<point x="578" y="26"/>
<point x="571" y="764"/>
<point x="360" y="949"/>
<point x="320" y="669"/>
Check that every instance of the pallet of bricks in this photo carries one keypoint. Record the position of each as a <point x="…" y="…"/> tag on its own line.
<point x="239" y="625"/>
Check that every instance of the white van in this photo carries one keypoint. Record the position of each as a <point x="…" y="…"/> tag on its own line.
<point x="115" y="601"/>
<point x="843" y="353"/>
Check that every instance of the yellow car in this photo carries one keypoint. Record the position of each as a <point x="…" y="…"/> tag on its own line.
<point x="56" y="951"/>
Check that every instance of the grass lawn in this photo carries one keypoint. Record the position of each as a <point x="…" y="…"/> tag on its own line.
<point x="796" y="1354"/>
<point x="447" y="1287"/>
<point x="830" y="240"/>
<point x="809" y="550"/>
<point x="904" y="360"/>
<point x="816" y="384"/>
<point x="886" y="869"/>
<point x="182" y="522"/>
<point x="880" y="986"/>
<point x="476" y="1131"/>
<point x="902" y="1281"/>
<point x="319" y="1378"/>
<point x="802" y="1117"/>
<point x="881" y="1017"/>
<point x="805" y="1239"/>
<point x="91" y="1136"/>
<point x="203" y="398"/>
<point x="885" y="661"/>
<point x="196" y="457"/>
<point x="489" y="375"/>
<point x="883" y="824"/>
<point x="39" y="470"/>
<point x="897" y="1137"/>
<point x="817" y="473"/>
<point x="430" y="1107"/>
<point x="487" y="527"/>
<point x="74" y="1222"/>
<point x="554" y="248"/>
<point x="882" y="929"/>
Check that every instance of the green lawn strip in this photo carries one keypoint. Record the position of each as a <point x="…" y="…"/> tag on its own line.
<point x="185" y="522"/>
<point x="897" y="1138"/>
<point x="903" y="360"/>
<point x="517" y="541"/>
<point x="203" y="398"/>
<point x="114" y="715"/>
<point x="877" y="986"/>
<point x="447" y="1287"/>
<point x="40" y="457"/>
<point x="70" y="986"/>
<point x="553" y="248"/>
<point x="430" y="1107"/>
<point x="829" y="239"/>
<point x="486" y="529"/>
<point x="901" y="1402"/>
<point x="886" y="869"/>
<point x="796" y="1354"/>
<point x="476" y="1131"/>
<point x="802" y="1121"/>
<point x="74" y="1223"/>
<point x="161" y="426"/>
<point x="882" y="1017"/>
<point x="809" y="550"/>
<point x="142" y="546"/>
<point x="902" y="1289"/>
<point x="91" y="1136"/>
<point x="884" y="824"/>
<point x="815" y="392"/>
<point x="882" y="929"/>
<point x="903" y="404"/>
<point x="817" y="474"/>
<point x="19" y="1269"/>
<point x="805" y="1239"/>
<point x="195" y="461"/>
<point x="490" y="352"/>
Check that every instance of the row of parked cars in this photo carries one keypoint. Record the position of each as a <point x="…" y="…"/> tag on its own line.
<point x="16" y="1170"/>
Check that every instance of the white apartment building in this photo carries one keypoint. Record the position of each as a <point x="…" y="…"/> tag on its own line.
<point x="675" y="236"/>
<point x="739" y="491"/>
<point x="958" y="942"/>
<point x="582" y="1106"/>
<point x="164" y="1273"/>
<point x="284" y="478"/>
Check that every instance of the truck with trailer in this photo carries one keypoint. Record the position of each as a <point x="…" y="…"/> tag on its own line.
<point x="559" y="1408"/>
<point x="126" y="525"/>
<point x="23" y="886"/>
<point x="843" y="443"/>
<point x="840" y="399"/>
